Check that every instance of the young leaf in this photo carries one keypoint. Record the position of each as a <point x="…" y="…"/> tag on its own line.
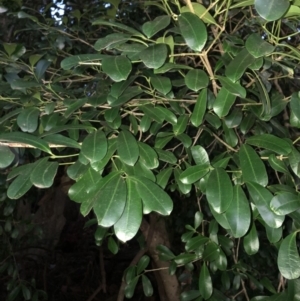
<point x="288" y="257"/>
<point x="128" y="148"/>
<point x="193" y="31"/>
<point x="219" y="191"/>
<point x="253" y="169"/>
<point x="205" y="283"/>
<point x="129" y="223"/>
<point x="117" y="67"/>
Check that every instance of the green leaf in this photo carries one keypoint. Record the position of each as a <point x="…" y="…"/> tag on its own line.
<point x="184" y="258"/>
<point x="219" y="191"/>
<point x="196" y="79"/>
<point x="75" y="106"/>
<point x="109" y="202"/>
<point x="295" y="105"/>
<point x="163" y="177"/>
<point x="205" y="283"/>
<point x="142" y="264"/>
<point x="195" y="243"/>
<point x="270" y="142"/>
<point x="148" y="156"/>
<point x="284" y="203"/>
<point x="117" y="67"/>
<point x="237" y="67"/>
<point x="193" y="31"/>
<point x="294" y="160"/>
<point x="28" y="119"/>
<point x="130" y="287"/>
<point x="147" y="286"/>
<point x="171" y="66"/>
<point x="251" y="242"/>
<point x="19" y="186"/>
<point x="43" y="173"/>
<point x="41" y="68"/>
<point x="112" y="245"/>
<point x="271" y="10"/>
<point x="153" y="197"/>
<point x="76" y="170"/>
<point x="288" y="257"/>
<point x="167" y="114"/>
<point x="150" y="28"/>
<point x="201" y="11"/>
<point x="262" y="199"/>
<point x="154" y="56"/>
<point x="128" y="148"/>
<point x="199" y="155"/>
<point x="194" y="173"/>
<point x="81" y="59"/>
<point x="6" y="156"/>
<point x="234" y="88"/>
<point x="238" y="214"/>
<point x="223" y="102"/>
<point x="181" y="125"/>
<point x="94" y="146"/>
<point x="27" y="139"/>
<point x="61" y="141"/>
<point x="278" y="164"/>
<point x="161" y="83"/>
<point x="14" y="293"/>
<point x="257" y="46"/>
<point x="199" y="109"/>
<point x="253" y="169"/>
<point x="129" y="223"/>
<point x="190" y="295"/>
<point x="111" y="40"/>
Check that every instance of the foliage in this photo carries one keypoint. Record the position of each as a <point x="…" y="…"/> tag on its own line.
<point x="195" y="102"/>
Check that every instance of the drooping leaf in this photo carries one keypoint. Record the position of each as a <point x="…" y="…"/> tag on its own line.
<point x="28" y="119"/>
<point x="193" y="31"/>
<point x="153" y="197"/>
<point x="128" y="148"/>
<point x="94" y="146"/>
<point x="6" y="156"/>
<point x="154" y="56"/>
<point x="43" y="173"/>
<point x="205" y="283"/>
<point x="199" y="109"/>
<point x="150" y="28"/>
<point x="262" y="198"/>
<point x="117" y="67"/>
<point x="270" y="142"/>
<point x="223" y="102"/>
<point x="271" y="10"/>
<point x="288" y="257"/>
<point x="219" y="191"/>
<point x="196" y="79"/>
<point x="253" y="169"/>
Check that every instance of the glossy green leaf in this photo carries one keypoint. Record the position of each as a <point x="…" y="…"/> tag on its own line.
<point x="171" y="66"/>
<point x="253" y="168"/>
<point x="196" y="242"/>
<point x="112" y="245"/>
<point x="181" y="125"/>
<point x="257" y="46"/>
<point x="61" y="141"/>
<point x="163" y="251"/>
<point x="153" y="113"/>
<point x="270" y="142"/>
<point x="278" y="164"/>
<point x="41" y="68"/>
<point x="273" y="234"/>
<point x="75" y="106"/>
<point x="284" y="203"/>
<point x="262" y="198"/>
<point x="117" y="68"/>
<point x="199" y="109"/>
<point x="19" y="186"/>
<point x="190" y="295"/>
<point x="237" y="67"/>
<point x="199" y="155"/>
<point x="223" y="102"/>
<point x="150" y="28"/>
<point x="194" y="173"/>
<point x="111" y="40"/>
<point x="142" y="264"/>
<point x="76" y="170"/>
<point x="295" y="104"/>
<point x="6" y="156"/>
<point x="294" y="160"/>
<point x="211" y="252"/>
<point x="238" y="214"/>
<point x="232" y="87"/>
<point x="148" y="155"/>
<point x="94" y="146"/>
<point x="183" y="188"/>
<point x="128" y="148"/>
<point x="28" y="119"/>
<point x="162" y="179"/>
<point x="201" y="11"/>
<point x="219" y="190"/>
<point x="288" y="257"/>
<point x="153" y="197"/>
<point x="129" y="223"/>
<point x="166" y="156"/>
<point x="154" y="56"/>
<point x="167" y="114"/>
<point x="196" y="79"/>
<point x="205" y="283"/>
<point x="43" y="173"/>
<point x="271" y="10"/>
<point x="251" y="242"/>
<point x="81" y="59"/>
<point x="193" y="31"/>
<point x="130" y="287"/>
<point x="109" y="202"/>
<point x="161" y="83"/>
<point x="184" y="258"/>
<point x="27" y="139"/>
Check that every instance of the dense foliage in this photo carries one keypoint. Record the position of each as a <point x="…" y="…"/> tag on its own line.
<point x="188" y="110"/>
